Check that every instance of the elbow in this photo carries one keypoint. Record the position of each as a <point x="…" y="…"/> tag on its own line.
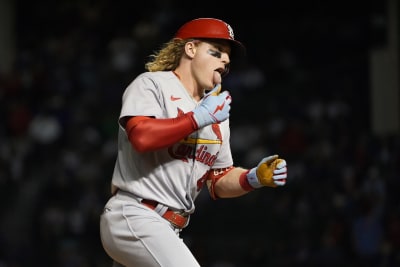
<point x="140" y="145"/>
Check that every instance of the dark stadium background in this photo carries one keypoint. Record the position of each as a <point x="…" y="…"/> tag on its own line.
<point x="319" y="86"/>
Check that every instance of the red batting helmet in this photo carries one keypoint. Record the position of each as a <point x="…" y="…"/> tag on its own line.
<point x="209" y="28"/>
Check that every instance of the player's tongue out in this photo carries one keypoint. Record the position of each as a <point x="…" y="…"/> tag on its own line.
<point x="217" y="78"/>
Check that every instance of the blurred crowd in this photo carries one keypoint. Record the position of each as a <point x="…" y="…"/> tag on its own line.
<point x="302" y="92"/>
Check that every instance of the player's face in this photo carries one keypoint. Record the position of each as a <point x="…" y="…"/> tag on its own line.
<point x="211" y="61"/>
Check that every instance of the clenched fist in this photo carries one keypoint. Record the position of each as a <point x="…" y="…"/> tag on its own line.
<point x="271" y="171"/>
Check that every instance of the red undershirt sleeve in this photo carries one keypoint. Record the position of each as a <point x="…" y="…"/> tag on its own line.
<point x="149" y="134"/>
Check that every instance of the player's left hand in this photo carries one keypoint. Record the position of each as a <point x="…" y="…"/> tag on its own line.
<point x="214" y="108"/>
<point x="271" y="171"/>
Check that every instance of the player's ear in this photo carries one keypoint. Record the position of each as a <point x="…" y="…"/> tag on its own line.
<point x="190" y="49"/>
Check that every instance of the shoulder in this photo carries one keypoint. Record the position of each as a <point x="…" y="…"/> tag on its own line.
<point x="152" y="82"/>
<point x="156" y="80"/>
<point x="149" y="80"/>
<point x="156" y="76"/>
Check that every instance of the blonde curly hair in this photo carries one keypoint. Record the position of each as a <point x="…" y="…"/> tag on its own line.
<point x="168" y="57"/>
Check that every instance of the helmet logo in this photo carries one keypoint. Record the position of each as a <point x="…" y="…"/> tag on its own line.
<point x="230" y="31"/>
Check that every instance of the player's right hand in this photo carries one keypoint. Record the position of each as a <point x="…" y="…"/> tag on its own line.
<point x="271" y="171"/>
<point x="213" y="108"/>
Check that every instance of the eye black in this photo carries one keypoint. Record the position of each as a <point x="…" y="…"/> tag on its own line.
<point x="214" y="53"/>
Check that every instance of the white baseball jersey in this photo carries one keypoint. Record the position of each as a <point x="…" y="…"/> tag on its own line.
<point x="175" y="175"/>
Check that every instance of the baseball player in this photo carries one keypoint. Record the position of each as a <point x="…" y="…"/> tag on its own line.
<point x="173" y="141"/>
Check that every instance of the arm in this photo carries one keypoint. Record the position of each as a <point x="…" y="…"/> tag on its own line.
<point x="149" y="134"/>
<point x="236" y="181"/>
<point x="229" y="185"/>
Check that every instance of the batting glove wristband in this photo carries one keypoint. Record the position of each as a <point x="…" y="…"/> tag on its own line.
<point x="213" y="108"/>
<point x="271" y="171"/>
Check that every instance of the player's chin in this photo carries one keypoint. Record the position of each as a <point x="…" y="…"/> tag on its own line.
<point x="211" y="85"/>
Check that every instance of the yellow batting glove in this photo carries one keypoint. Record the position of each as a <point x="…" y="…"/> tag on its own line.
<point x="271" y="171"/>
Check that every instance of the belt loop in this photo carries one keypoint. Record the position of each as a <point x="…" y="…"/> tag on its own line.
<point x="160" y="209"/>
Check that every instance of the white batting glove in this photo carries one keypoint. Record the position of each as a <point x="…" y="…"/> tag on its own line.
<point x="213" y="108"/>
<point x="271" y="171"/>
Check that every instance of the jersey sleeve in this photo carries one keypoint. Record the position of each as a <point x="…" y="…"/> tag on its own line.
<point x="142" y="97"/>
